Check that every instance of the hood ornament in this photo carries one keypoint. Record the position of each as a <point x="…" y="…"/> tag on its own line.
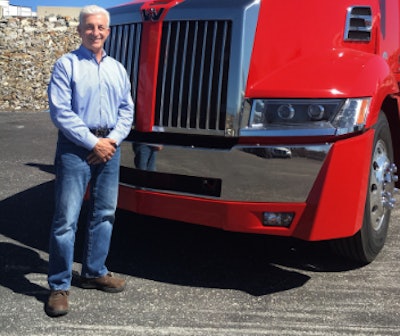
<point x="156" y="10"/>
<point x="152" y="14"/>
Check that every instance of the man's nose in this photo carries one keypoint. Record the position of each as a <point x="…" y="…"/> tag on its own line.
<point x="96" y="30"/>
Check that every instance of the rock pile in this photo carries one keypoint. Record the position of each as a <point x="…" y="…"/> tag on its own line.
<point x="28" y="49"/>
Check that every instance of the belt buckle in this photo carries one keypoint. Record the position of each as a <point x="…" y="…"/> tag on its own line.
<point x="101" y="132"/>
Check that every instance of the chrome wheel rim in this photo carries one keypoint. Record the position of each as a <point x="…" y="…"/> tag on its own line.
<point x="381" y="185"/>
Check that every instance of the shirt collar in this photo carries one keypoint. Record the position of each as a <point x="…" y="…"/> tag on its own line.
<point x="88" y="54"/>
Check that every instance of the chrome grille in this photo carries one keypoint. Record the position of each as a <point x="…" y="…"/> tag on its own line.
<point x="192" y="79"/>
<point x="123" y="44"/>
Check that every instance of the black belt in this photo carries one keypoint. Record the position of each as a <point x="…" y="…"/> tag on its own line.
<point x="101" y="132"/>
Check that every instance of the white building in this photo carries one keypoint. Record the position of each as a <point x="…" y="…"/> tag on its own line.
<point x="46" y="11"/>
<point x="7" y="10"/>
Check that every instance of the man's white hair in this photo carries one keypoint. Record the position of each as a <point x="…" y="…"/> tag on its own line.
<point x="93" y="9"/>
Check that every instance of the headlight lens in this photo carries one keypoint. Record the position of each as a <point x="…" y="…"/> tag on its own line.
<point x="340" y="116"/>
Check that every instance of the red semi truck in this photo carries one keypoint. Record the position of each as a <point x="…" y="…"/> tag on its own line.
<point x="264" y="116"/>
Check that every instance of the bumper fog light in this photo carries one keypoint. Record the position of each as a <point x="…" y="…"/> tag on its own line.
<point x="281" y="219"/>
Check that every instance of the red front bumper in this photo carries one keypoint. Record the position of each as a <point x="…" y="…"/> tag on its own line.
<point x="333" y="209"/>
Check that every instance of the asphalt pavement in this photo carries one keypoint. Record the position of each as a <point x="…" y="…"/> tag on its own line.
<point x="182" y="279"/>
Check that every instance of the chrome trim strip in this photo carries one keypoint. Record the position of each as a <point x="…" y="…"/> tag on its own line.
<point x="183" y="67"/>
<point x="290" y="132"/>
<point x="246" y="173"/>
<point x="164" y="71"/>
<point x="190" y="94"/>
<point x="219" y="91"/>
<point x="174" y="58"/>
<point x="202" y="61"/>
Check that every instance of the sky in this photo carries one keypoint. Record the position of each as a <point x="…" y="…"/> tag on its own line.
<point x="68" y="3"/>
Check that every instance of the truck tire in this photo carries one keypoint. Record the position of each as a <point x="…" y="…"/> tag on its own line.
<point x="366" y="244"/>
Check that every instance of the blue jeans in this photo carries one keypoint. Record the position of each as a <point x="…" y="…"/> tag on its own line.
<point x="73" y="175"/>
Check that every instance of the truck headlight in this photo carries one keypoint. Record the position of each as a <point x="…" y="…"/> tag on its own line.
<point x="330" y="116"/>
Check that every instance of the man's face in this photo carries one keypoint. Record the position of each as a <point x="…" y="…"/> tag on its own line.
<point x="94" y="32"/>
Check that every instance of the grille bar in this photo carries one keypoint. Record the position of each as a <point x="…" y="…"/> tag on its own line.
<point x="123" y="44"/>
<point x="193" y="75"/>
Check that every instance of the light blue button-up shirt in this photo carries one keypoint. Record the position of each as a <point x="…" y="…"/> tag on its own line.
<point x="84" y="94"/>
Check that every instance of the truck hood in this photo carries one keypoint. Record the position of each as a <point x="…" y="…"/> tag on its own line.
<point x="337" y="73"/>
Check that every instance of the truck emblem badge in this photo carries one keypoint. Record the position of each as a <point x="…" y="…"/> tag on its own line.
<point x="152" y="14"/>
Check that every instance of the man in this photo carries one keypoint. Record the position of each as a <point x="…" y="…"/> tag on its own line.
<point x="91" y="105"/>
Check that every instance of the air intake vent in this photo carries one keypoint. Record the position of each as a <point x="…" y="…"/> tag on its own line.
<point x="358" y="24"/>
<point x="193" y="76"/>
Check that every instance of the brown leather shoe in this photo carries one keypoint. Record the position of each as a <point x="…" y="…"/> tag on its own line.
<point x="57" y="304"/>
<point x="107" y="283"/>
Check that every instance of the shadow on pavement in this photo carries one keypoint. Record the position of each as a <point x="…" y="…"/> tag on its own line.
<point x="160" y="250"/>
<point x="16" y="262"/>
<point x="43" y="167"/>
<point x="190" y="255"/>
